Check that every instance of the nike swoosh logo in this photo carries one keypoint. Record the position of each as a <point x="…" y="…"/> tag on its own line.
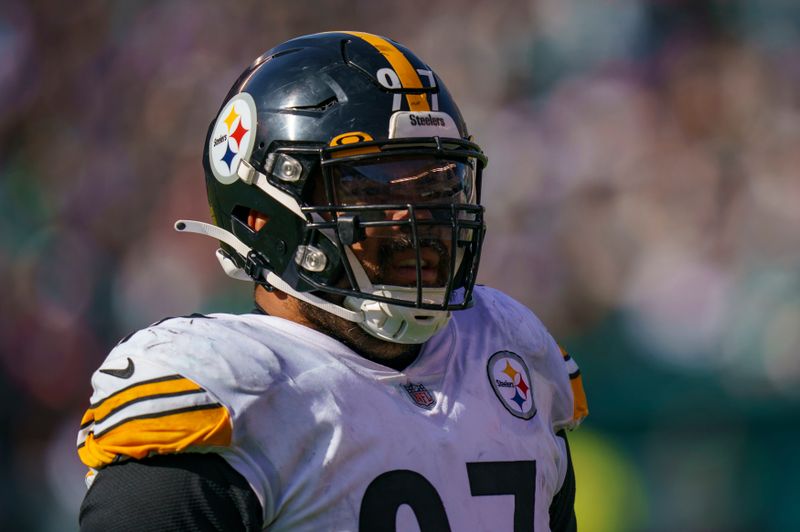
<point x="124" y="373"/>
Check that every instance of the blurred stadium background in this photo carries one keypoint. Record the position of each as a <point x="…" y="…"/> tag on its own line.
<point x="643" y="198"/>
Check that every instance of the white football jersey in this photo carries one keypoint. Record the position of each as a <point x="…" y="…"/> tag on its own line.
<point x="463" y="438"/>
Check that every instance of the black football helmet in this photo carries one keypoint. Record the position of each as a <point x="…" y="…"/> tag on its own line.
<point x="356" y="154"/>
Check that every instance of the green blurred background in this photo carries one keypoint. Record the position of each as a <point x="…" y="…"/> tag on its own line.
<point x="643" y="199"/>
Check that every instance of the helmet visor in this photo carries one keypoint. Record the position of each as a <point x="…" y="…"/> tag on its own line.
<point x="404" y="180"/>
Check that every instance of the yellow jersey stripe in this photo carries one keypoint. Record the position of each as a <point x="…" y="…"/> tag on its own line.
<point x="179" y="393"/>
<point x="564" y="353"/>
<point x="409" y="78"/>
<point x="134" y="385"/>
<point x="138" y="392"/>
<point x="580" y="407"/>
<point x="162" y="433"/>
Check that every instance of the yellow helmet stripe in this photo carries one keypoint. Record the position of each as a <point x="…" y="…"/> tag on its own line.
<point x="409" y="78"/>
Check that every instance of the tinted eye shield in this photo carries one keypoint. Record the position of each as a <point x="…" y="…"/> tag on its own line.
<point x="392" y="180"/>
<point x="313" y="157"/>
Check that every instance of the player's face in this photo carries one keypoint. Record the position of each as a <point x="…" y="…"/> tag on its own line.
<point x="430" y="185"/>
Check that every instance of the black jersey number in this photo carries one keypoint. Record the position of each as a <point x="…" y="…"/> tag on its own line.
<point x="389" y="491"/>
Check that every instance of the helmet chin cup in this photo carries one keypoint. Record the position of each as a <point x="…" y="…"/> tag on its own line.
<point x="395" y="323"/>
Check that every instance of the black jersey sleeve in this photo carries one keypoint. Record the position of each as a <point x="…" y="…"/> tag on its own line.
<point x="170" y="492"/>
<point x="562" y="509"/>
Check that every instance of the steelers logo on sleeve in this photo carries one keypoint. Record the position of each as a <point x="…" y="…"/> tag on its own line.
<point x="511" y="381"/>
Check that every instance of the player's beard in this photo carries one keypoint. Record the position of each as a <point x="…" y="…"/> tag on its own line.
<point x="392" y="354"/>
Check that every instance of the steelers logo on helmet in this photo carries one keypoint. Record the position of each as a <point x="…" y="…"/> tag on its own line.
<point x="233" y="137"/>
<point x="509" y="376"/>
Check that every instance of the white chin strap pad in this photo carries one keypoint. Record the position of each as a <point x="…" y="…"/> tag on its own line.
<point x="392" y="323"/>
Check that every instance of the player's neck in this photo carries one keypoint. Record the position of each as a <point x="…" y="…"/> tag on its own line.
<point x="389" y="354"/>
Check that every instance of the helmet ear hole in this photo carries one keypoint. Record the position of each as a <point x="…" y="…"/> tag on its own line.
<point x="256" y="220"/>
<point x="250" y="218"/>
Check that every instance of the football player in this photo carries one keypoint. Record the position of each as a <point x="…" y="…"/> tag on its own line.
<point x="374" y="387"/>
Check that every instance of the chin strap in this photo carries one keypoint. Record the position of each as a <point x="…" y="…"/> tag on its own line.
<point x="395" y="323"/>
<point x="232" y="270"/>
<point x="392" y="323"/>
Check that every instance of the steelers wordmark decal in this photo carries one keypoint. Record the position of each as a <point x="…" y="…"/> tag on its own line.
<point x="511" y="381"/>
<point x="233" y="137"/>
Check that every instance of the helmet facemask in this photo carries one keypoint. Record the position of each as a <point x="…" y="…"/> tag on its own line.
<point x="408" y="229"/>
<point x="401" y="222"/>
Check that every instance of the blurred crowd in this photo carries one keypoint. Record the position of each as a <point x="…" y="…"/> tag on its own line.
<point x="642" y="192"/>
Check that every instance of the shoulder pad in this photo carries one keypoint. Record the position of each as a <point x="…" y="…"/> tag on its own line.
<point x="509" y="313"/>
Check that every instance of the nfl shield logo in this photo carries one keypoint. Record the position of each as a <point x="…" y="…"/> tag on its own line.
<point x="422" y="397"/>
